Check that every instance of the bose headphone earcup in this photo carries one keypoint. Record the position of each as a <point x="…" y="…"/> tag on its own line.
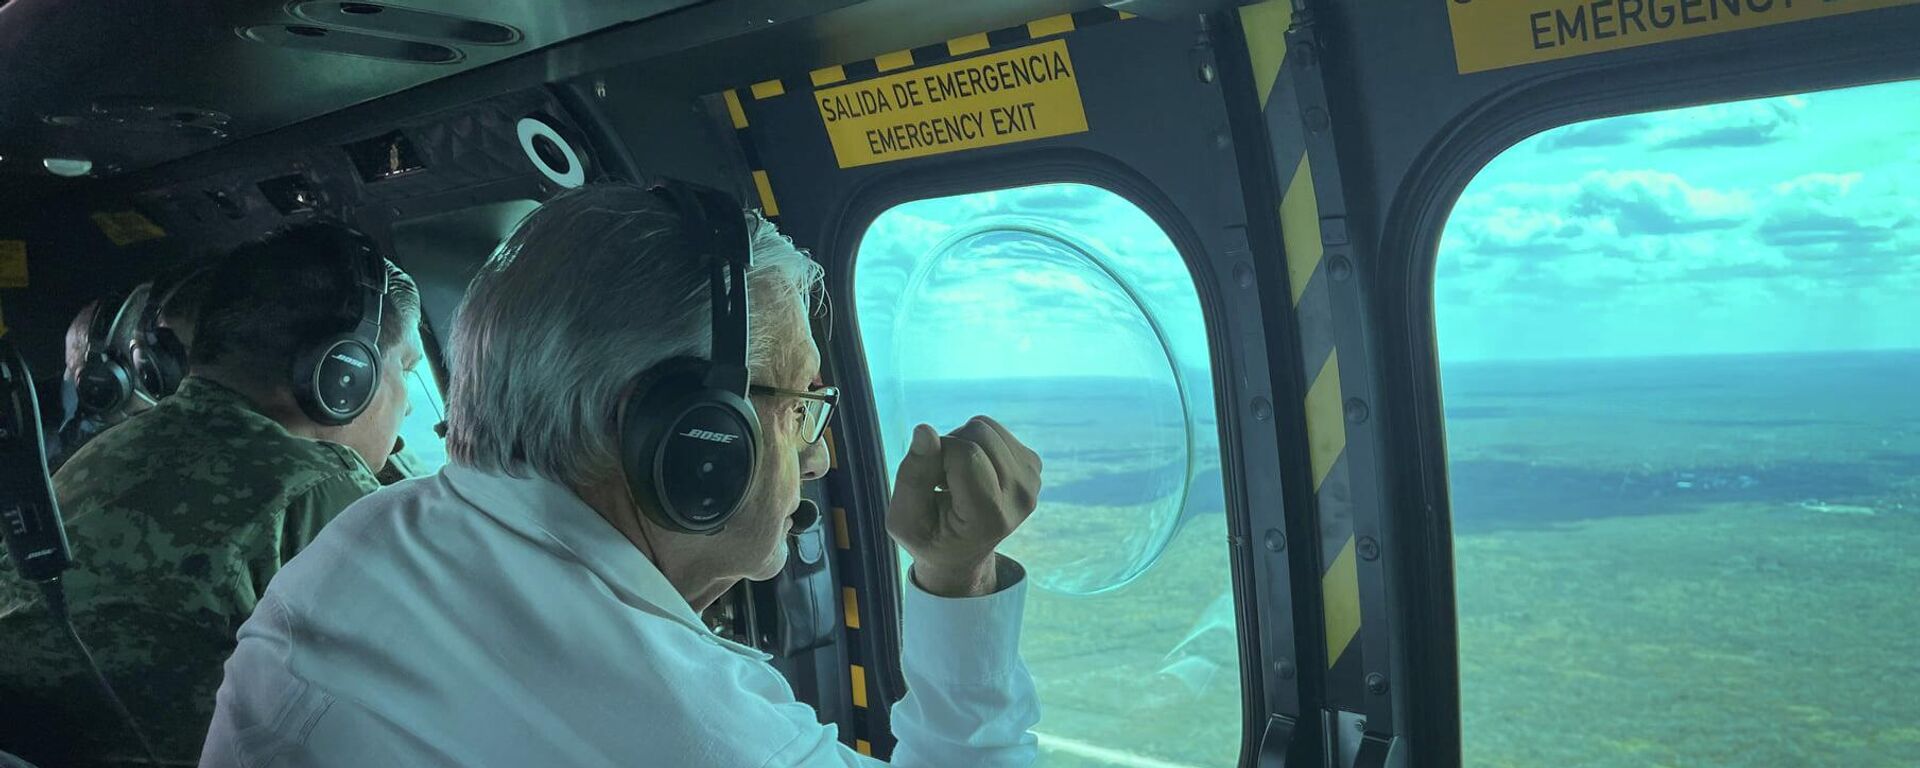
<point x="335" y="380"/>
<point x="161" y="364"/>
<point x="104" y="385"/>
<point x="690" y="452"/>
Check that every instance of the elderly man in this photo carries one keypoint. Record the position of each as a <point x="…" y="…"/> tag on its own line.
<point x="614" y="473"/>
<point x="180" y="516"/>
<point x="118" y="347"/>
<point x="100" y="340"/>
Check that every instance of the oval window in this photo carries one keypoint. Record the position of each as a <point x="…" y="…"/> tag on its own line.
<point x="1081" y="371"/>
<point x="1066" y="313"/>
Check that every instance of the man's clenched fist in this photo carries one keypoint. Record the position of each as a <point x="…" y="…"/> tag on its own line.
<point x="956" y="498"/>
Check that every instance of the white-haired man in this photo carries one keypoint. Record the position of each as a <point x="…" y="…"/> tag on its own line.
<point x="536" y="603"/>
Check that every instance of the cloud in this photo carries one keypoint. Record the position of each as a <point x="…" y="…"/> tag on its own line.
<point x="1802" y="228"/>
<point x="1745" y="124"/>
<point x="1075" y="204"/>
<point x="1822" y="215"/>
<point x="1724" y="248"/>
<point x="1651" y="238"/>
<point x="1596" y="133"/>
<point x="1606" y="226"/>
<point x="1657" y="203"/>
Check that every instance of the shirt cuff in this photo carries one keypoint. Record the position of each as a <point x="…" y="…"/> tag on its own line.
<point x="966" y="639"/>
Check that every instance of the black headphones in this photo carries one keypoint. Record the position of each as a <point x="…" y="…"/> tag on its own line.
<point x="689" y="438"/>
<point x="104" y="384"/>
<point x="335" y="379"/>
<point x="158" y="357"/>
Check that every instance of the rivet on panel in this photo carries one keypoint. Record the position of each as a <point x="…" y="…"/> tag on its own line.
<point x="1262" y="410"/>
<point x="1340" y="268"/>
<point x="1243" y="274"/>
<point x="1368" y="548"/>
<point x="1357" y="411"/>
<point x="1276" y="540"/>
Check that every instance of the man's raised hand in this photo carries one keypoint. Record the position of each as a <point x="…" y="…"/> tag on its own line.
<point x="956" y="498"/>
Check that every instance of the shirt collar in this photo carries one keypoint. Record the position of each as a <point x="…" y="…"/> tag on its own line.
<point x="202" y="393"/>
<point x="545" y="510"/>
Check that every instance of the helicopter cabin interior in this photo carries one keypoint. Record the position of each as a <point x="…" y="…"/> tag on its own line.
<point x="1218" y="259"/>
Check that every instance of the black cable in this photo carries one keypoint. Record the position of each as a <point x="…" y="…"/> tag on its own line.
<point x="56" y="596"/>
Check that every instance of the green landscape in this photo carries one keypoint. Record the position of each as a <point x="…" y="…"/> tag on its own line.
<point x="1659" y="562"/>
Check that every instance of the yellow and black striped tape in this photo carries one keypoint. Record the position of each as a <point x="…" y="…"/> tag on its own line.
<point x="761" y="183"/>
<point x="859" y="682"/>
<point x="964" y="45"/>
<point x="1266" y="26"/>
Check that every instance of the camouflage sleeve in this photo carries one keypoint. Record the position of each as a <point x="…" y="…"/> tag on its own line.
<point x="319" y="505"/>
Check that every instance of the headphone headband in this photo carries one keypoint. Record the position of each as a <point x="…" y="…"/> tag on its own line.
<point x="689" y="437"/>
<point x="369" y="275"/>
<point x="160" y="295"/>
<point x="106" y="316"/>
<point x="713" y="224"/>
<point x="159" y="359"/>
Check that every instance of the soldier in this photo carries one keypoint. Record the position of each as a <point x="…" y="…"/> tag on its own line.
<point x="180" y="516"/>
<point x="97" y="341"/>
<point x="113" y="344"/>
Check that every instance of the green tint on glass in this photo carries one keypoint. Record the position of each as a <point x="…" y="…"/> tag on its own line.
<point x="425" y="448"/>
<point x="1680" y="353"/>
<point x="1064" y="311"/>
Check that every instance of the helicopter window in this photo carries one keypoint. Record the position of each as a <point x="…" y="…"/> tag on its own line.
<point x="425" y="448"/>
<point x="442" y="252"/>
<point x="1679" y="354"/>
<point x="1066" y="313"/>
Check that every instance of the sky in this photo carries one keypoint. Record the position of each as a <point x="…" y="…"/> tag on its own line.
<point x="1048" y="280"/>
<point x="1787" y="224"/>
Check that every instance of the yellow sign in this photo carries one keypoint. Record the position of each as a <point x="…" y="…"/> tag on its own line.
<point x="125" y="228"/>
<point x="13" y="264"/>
<point x="1002" y="98"/>
<point x="1493" y="34"/>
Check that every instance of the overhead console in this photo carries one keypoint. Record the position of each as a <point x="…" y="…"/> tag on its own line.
<point x="522" y="145"/>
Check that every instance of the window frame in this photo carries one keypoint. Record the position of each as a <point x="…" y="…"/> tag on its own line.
<point x="384" y="223"/>
<point x="859" y="421"/>
<point x="1419" y="501"/>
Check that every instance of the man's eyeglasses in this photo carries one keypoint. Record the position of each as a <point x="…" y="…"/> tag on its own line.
<point x="817" y="407"/>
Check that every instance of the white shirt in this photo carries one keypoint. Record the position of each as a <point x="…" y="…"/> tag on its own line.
<point x="478" y="620"/>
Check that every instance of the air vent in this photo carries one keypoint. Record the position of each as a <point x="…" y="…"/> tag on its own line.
<point x="381" y="19"/>
<point x="306" y="37"/>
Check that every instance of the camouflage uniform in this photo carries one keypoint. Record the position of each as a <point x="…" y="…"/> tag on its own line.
<point x="178" y="518"/>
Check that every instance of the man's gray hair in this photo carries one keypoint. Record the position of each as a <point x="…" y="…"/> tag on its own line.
<point x="77" y="332"/>
<point x="592" y="289"/>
